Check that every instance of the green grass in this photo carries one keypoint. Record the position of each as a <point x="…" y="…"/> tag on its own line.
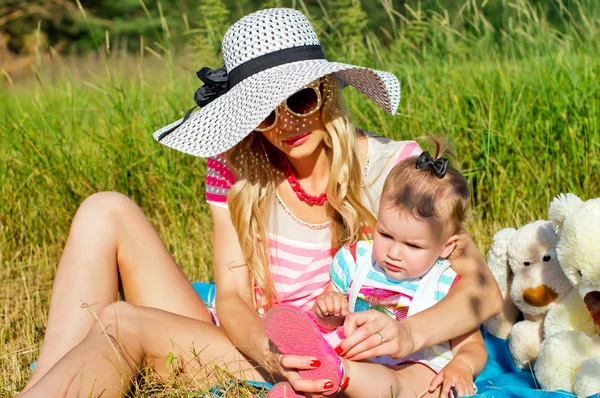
<point x="520" y="104"/>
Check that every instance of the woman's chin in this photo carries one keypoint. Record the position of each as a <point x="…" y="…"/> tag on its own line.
<point x="299" y="153"/>
<point x="307" y="149"/>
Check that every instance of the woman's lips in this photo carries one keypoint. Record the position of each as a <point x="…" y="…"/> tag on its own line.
<point x="296" y="140"/>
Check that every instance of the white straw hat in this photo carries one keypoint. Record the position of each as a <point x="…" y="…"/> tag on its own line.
<point x="269" y="55"/>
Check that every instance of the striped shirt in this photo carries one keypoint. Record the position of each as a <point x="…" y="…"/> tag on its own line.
<point x="301" y="253"/>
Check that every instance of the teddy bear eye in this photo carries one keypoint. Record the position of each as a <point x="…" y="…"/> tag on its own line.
<point x="526" y="263"/>
<point x="546" y="258"/>
<point x="580" y="273"/>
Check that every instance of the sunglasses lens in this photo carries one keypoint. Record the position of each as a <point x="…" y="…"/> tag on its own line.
<point x="268" y="122"/>
<point x="303" y="102"/>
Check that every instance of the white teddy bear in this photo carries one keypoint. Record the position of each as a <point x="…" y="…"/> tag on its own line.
<point x="569" y="357"/>
<point x="526" y="268"/>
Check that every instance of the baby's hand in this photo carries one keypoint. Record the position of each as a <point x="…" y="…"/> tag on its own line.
<point x="458" y="376"/>
<point x="331" y="305"/>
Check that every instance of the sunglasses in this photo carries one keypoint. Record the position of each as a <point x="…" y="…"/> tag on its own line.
<point x="303" y="103"/>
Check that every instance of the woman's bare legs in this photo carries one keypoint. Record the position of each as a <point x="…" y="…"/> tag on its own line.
<point x="371" y="380"/>
<point x="128" y="336"/>
<point x="110" y="237"/>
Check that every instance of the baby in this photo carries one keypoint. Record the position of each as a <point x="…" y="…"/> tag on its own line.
<point x="405" y="270"/>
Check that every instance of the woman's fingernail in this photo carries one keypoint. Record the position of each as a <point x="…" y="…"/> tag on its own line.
<point x="339" y="350"/>
<point x="315" y="363"/>
<point x="345" y="383"/>
<point x="328" y="385"/>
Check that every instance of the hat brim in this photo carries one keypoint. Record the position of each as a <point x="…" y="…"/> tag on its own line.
<point x="227" y="120"/>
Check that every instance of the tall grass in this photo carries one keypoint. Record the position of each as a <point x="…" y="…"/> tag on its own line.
<point x="521" y="104"/>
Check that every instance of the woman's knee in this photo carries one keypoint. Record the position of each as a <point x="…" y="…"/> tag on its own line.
<point x="118" y="318"/>
<point x="117" y="330"/>
<point x="107" y="203"/>
<point x="104" y="208"/>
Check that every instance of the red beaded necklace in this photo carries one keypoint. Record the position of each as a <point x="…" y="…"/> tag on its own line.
<point x="295" y="184"/>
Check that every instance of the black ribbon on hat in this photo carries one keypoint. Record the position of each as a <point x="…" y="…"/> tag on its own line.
<point x="215" y="84"/>
<point x="217" y="81"/>
<point x="439" y="166"/>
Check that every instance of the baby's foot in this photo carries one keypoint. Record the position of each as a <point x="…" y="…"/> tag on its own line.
<point x="295" y="332"/>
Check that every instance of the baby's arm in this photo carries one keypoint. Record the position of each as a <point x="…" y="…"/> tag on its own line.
<point x="469" y="360"/>
<point x="331" y="308"/>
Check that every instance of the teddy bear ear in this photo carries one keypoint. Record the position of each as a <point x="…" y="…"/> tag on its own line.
<point x="501" y="241"/>
<point x="497" y="258"/>
<point x="561" y="207"/>
<point x="501" y="324"/>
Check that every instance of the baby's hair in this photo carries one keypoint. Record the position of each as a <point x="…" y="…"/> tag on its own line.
<point x="423" y="194"/>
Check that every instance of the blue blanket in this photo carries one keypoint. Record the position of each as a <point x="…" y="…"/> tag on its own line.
<point x="500" y="377"/>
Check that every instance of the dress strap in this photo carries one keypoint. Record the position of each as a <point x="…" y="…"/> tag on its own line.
<point x="425" y="295"/>
<point x="361" y="276"/>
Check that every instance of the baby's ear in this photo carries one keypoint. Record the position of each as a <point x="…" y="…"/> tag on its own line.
<point x="449" y="246"/>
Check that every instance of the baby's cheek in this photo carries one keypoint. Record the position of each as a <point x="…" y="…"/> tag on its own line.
<point x="378" y="251"/>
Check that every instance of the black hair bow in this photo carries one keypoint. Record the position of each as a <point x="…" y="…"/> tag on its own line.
<point x="215" y="84"/>
<point x="439" y="166"/>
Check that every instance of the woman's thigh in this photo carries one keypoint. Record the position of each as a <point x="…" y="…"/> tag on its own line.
<point x="126" y="338"/>
<point x="199" y="349"/>
<point x="148" y="273"/>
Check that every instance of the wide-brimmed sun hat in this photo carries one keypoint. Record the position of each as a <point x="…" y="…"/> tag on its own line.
<point x="269" y="55"/>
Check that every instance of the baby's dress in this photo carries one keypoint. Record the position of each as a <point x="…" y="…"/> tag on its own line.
<point x="356" y="274"/>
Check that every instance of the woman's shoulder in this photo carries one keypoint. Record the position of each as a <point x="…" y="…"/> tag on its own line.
<point x="218" y="167"/>
<point x="219" y="180"/>
<point x="383" y="154"/>
<point x="387" y="148"/>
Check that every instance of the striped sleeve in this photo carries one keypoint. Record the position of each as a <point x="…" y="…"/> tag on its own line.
<point x="445" y="283"/>
<point x="340" y="269"/>
<point x="219" y="180"/>
<point x="411" y="148"/>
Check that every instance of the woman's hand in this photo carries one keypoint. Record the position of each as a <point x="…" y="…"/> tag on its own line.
<point x="457" y="375"/>
<point x="373" y="333"/>
<point x="288" y="365"/>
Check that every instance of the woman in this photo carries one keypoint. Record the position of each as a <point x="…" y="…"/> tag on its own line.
<point x="274" y="113"/>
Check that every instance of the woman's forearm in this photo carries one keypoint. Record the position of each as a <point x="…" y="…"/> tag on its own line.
<point x="477" y="282"/>
<point x="244" y="327"/>
<point x="234" y="300"/>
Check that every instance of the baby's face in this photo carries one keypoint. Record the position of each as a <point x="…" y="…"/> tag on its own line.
<point x="406" y="246"/>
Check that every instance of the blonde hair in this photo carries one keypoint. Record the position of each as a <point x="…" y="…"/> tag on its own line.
<point x="256" y="162"/>
<point x="422" y="193"/>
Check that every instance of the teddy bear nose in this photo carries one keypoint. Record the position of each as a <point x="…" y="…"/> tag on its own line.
<point x="546" y="258"/>
<point x="539" y="296"/>
<point x="592" y="302"/>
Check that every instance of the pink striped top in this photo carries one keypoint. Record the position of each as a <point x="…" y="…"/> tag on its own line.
<point x="301" y="253"/>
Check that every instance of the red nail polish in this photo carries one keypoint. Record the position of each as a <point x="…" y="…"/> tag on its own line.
<point x="339" y="350"/>
<point x="328" y="385"/>
<point x="315" y="363"/>
<point x="345" y="383"/>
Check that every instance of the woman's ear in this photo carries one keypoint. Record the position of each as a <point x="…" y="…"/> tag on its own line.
<point x="449" y="246"/>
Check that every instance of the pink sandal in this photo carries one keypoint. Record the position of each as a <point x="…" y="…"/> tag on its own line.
<point x="295" y="332"/>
